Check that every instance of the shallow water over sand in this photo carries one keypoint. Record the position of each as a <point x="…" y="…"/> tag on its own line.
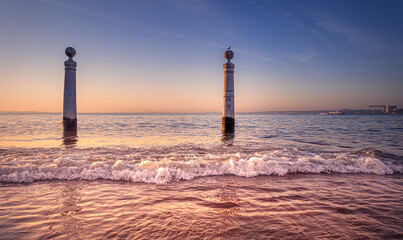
<point x="298" y="206"/>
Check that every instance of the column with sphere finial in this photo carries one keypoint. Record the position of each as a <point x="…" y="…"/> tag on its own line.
<point x="69" y="103"/>
<point x="228" y="111"/>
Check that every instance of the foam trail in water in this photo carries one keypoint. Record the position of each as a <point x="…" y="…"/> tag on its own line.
<point x="162" y="166"/>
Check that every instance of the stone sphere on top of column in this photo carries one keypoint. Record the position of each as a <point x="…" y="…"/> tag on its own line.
<point x="228" y="54"/>
<point x="70" y="52"/>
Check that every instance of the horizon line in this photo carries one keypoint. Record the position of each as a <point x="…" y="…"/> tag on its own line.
<point x="251" y="112"/>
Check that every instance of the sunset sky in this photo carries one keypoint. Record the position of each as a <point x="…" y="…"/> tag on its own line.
<point x="167" y="56"/>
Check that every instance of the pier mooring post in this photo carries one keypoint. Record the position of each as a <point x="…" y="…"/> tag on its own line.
<point x="228" y="111"/>
<point x="69" y="103"/>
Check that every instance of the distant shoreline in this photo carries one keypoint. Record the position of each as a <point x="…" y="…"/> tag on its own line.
<point x="348" y="112"/>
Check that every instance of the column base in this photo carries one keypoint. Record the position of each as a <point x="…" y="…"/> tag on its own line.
<point x="69" y="125"/>
<point x="228" y="125"/>
<point x="70" y="138"/>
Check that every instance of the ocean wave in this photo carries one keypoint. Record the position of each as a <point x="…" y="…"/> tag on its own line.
<point x="165" y="165"/>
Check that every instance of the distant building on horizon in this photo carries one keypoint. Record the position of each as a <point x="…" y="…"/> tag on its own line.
<point x="390" y="109"/>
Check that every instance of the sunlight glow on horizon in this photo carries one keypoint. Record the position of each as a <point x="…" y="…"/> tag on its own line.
<point x="167" y="56"/>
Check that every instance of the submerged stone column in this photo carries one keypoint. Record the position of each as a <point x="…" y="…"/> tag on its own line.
<point x="69" y="103"/>
<point x="228" y="110"/>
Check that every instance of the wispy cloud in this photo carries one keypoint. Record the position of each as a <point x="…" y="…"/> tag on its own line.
<point x="260" y="57"/>
<point x="305" y="57"/>
<point x="324" y="24"/>
<point x="156" y="30"/>
<point x="80" y="10"/>
<point x="130" y="24"/>
<point x="355" y="36"/>
<point x="259" y="4"/>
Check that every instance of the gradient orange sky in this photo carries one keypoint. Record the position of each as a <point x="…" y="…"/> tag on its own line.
<point x="167" y="56"/>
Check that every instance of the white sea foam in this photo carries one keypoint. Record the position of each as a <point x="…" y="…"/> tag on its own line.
<point x="163" y="166"/>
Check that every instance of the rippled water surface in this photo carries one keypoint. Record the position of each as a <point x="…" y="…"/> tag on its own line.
<point x="176" y="176"/>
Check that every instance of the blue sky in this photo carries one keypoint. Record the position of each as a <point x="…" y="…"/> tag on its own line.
<point x="167" y="56"/>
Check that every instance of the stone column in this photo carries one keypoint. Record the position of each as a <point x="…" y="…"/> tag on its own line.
<point x="69" y="103"/>
<point x="228" y="110"/>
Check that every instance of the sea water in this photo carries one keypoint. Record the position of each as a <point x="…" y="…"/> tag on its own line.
<point x="177" y="176"/>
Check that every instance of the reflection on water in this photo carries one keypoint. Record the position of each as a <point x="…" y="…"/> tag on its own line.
<point x="70" y="137"/>
<point x="228" y="137"/>
<point x="60" y="218"/>
<point x="229" y="202"/>
<point x="322" y="132"/>
<point x="70" y="196"/>
<point x="304" y="206"/>
<point x="174" y="149"/>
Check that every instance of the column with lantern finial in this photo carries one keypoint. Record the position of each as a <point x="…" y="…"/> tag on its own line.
<point x="69" y="103"/>
<point x="228" y="111"/>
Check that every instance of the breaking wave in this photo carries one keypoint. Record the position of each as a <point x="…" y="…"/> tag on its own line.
<point x="164" y="165"/>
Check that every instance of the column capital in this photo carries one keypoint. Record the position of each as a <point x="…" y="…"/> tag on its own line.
<point x="70" y="64"/>
<point x="228" y="65"/>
